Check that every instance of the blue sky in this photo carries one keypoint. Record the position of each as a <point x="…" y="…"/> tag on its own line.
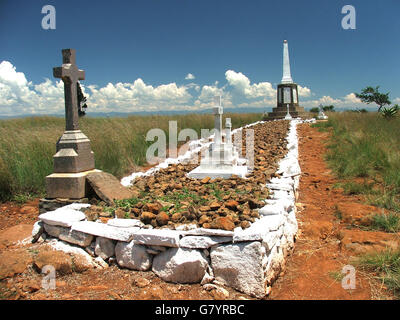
<point x="137" y="54"/>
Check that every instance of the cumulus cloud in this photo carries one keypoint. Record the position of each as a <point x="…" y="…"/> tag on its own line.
<point x="304" y="91"/>
<point x="18" y="96"/>
<point x="241" y="84"/>
<point x="190" y="76"/>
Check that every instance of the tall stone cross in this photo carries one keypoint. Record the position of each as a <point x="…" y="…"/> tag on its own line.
<point x="218" y="111"/>
<point x="70" y="74"/>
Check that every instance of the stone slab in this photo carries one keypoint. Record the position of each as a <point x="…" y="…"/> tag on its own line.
<point x="209" y="232"/>
<point x="157" y="237"/>
<point x="125" y="223"/>
<point x="200" y="173"/>
<point x="67" y="185"/>
<point x="63" y="217"/>
<point x="68" y="235"/>
<point x="107" y="187"/>
<point x="202" y="242"/>
<point x="105" y="231"/>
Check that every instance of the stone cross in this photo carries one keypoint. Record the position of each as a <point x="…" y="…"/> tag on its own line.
<point x="228" y="126"/>
<point x="70" y="74"/>
<point x="218" y="111"/>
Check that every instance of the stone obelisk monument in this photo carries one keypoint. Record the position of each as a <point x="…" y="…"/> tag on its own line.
<point x="287" y="93"/>
<point x="74" y="158"/>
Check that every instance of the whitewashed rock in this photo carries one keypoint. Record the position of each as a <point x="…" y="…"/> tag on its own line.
<point x="105" y="231"/>
<point x="77" y="206"/>
<point x="62" y="217"/>
<point x="101" y="264"/>
<point x="240" y="266"/>
<point x="132" y="256"/>
<point x="207" y="278"/>
<point x="272" y="239"/>
<point x="73" y="250"/>
<point x="279" y="186"/>
<point x="286" y="203"/>
<point x="125" y="223"/>
<point x="180" y="265"/>
<point x="259" y="229"/>
<point x="37" y="231"/>
<point x="157" y="237"/>
<point x="271" y="209"/>
<point x="209" y="232"/>
<point x="202" y="242"/>
<point x="104" y="247"/>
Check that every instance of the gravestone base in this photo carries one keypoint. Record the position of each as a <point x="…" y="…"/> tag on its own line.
<point x="46" y="205"/>
<point x="68" y="185"/>
<point x="74" y="153"/>
<point x="221" y="161"/>
<point x="223" y="172"/>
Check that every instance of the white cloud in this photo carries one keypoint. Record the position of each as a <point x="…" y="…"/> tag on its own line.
<point x="19" y="96"/>
<point x="304" y="91"/>
<point x="242" y="85"/>
<point x="190" y="76"/>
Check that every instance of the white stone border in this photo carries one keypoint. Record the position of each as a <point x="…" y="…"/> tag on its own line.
<point x="248" y="260"/>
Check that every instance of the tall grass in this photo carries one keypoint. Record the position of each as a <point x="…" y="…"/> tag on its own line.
<point x="367" y="145"/>
<point x="27" y="145"/>
<point x="386" y="267"/>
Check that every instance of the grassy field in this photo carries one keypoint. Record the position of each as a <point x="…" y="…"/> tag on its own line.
<point x="119" y="144"/>
<point x="364" y="151"/>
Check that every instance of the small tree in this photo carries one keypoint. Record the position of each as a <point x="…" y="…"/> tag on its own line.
<point x="369" y="95"/>
<point x="328" y="108"/>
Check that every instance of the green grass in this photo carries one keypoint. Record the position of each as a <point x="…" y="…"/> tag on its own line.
<point x="368" y="146"/>
<point x="27" y="145"/>
<point x="386" y="267"/>
<point x="387" y="223"/>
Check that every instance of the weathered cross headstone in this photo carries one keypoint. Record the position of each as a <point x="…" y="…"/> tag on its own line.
<point x="74" y="158"/>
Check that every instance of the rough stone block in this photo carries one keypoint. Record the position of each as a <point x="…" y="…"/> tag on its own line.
<point x="240" y="266"/>
<point x="104" y="248"/>
<point x="133" y="256"/>
<point x="180" y="265"/>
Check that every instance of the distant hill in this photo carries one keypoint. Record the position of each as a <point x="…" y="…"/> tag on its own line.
<point x="147" y="113"/>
